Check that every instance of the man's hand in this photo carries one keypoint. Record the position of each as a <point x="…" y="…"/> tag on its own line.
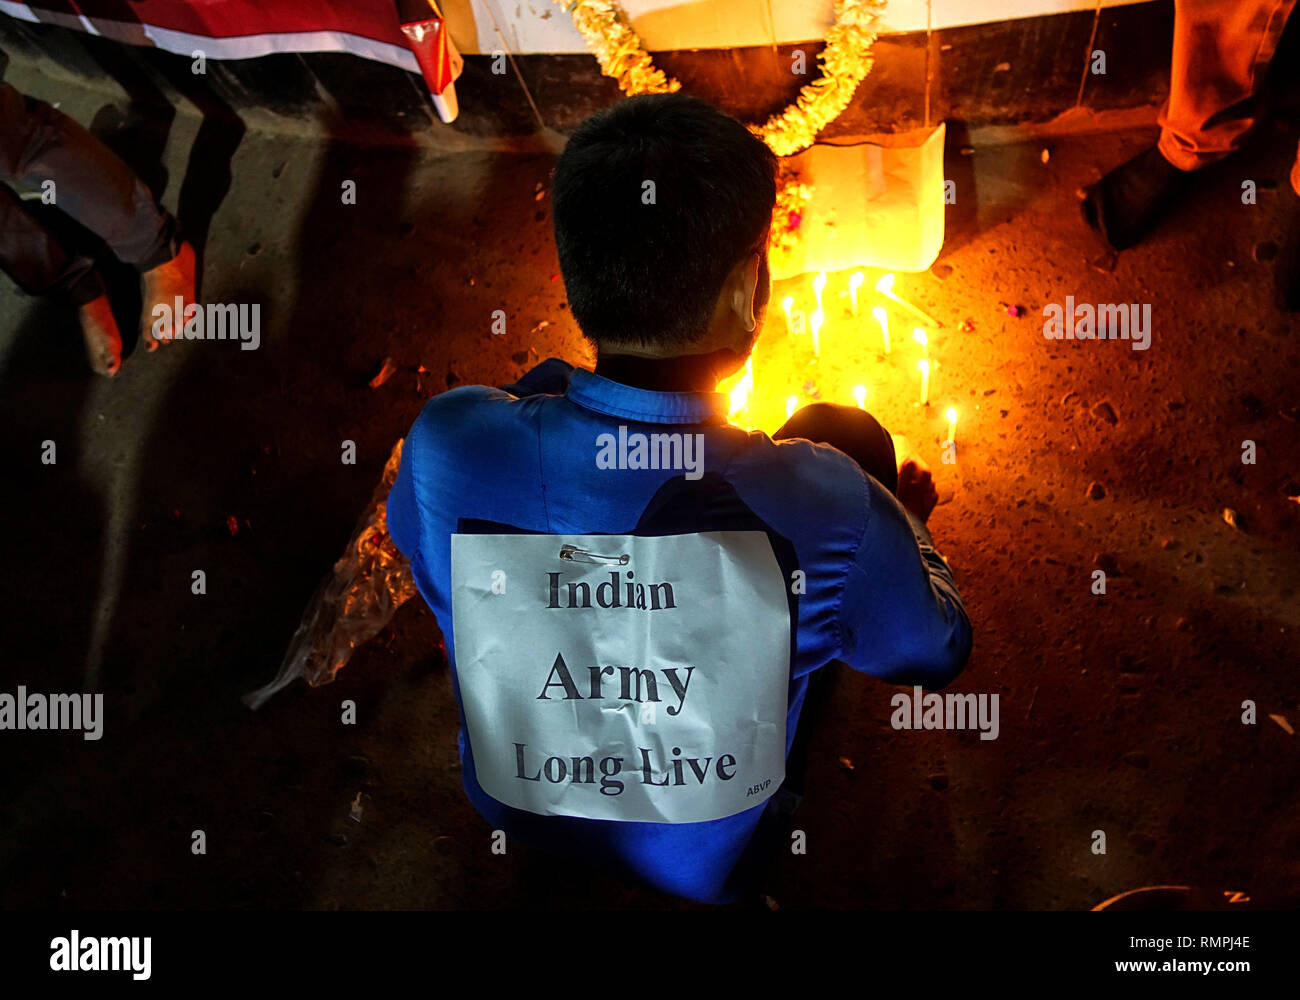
<point x="916" y="489"/>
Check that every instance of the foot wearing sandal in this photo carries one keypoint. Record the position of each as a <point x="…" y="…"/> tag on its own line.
<point x="1125" y="205"/>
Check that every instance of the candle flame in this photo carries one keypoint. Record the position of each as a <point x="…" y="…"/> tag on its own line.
<point x="923" y="366"/>
<point x="886" y="284"/>
<point x="740" y="393"/>
<point x="819" y="282"/>
<point x="951" y="415"/>
<point x="817" y="319"/>
<point x="790" y="405"/>
<point x="787" y="304"/>
<point x="919" y="336"/>
<point x="860" y="394"/>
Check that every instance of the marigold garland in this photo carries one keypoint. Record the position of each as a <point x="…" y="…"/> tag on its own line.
<point x="792" y="197"/>
<point x="603" y="26"/>
<point x="846" y="60"/>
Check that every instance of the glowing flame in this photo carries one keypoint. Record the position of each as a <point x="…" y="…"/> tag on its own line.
<point x="790" y="405"/>
<point x="919" y="336"/>
<point x="817" y="319"/>
<point x="855" y="282"/>
<point x="740" y="394"/>
<point x="886" y="284"/>
<point x="860" y="394"/>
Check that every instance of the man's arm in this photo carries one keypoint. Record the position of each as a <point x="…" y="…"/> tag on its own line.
<point x="901" y="616"/>
<point x="403" y="509"/>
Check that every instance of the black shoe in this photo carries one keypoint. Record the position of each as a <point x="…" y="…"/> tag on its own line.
<point x="1286" y="272"/>
<point x="1127" y="203"/>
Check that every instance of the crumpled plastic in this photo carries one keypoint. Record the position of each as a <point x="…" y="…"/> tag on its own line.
<point x="353" y="604"/>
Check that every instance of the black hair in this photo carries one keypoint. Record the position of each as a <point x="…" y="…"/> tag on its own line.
<point x="655" y="200"/>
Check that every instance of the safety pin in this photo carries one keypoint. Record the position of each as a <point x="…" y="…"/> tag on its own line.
<point x="571" y="553"/>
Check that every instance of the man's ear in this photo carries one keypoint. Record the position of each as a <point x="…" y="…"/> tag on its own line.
<point x="744" y="296"/>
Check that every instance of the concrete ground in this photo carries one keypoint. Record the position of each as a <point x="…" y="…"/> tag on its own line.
<point x="1119" y="713"/>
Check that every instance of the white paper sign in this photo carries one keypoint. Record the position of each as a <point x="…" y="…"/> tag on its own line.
<point x="639" y="679"/>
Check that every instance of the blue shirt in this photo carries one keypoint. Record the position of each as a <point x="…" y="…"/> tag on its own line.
<point x="877" y="595"/>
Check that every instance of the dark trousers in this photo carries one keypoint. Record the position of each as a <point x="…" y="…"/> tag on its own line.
<point x="91" y="184"/>
<point x="860" y="436"/>
<point x="853" y="431"/>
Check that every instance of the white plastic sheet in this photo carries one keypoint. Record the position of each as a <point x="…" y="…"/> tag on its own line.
<point x="873" y="204"/>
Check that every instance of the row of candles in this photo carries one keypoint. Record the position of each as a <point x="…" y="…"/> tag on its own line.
<point x="885" y="286"/>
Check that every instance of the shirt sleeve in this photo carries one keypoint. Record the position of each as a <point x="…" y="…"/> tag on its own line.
<point x="418" y="474"/>
<point x="901" y="616"/>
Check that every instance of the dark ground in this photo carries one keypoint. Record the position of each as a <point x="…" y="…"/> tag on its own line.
<point x="1119" y="713"/>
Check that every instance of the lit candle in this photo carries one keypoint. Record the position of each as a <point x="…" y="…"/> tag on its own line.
<point x="855" y="282"/>
<point x="924" y="365"/>
<point x="790" y="405"/>
<point x="952" y="424"/>
<point x="882" y="318"/>
<point x="787" y="304"/>
<point x="919" y="336"/>
<point x="860" y="394"/>
<point x="816" y="329"/>
<point x="885" y="286"/>
<point x="819" y="283"/>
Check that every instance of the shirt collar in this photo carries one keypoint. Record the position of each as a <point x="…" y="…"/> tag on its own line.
<point x="594" y="392"/>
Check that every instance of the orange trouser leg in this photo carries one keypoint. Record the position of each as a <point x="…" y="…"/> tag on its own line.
<point x="1222" y="49"/>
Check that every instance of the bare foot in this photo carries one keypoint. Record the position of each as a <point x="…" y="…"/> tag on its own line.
<point x="103" y="341"/>
<point x="162" y="286"/>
